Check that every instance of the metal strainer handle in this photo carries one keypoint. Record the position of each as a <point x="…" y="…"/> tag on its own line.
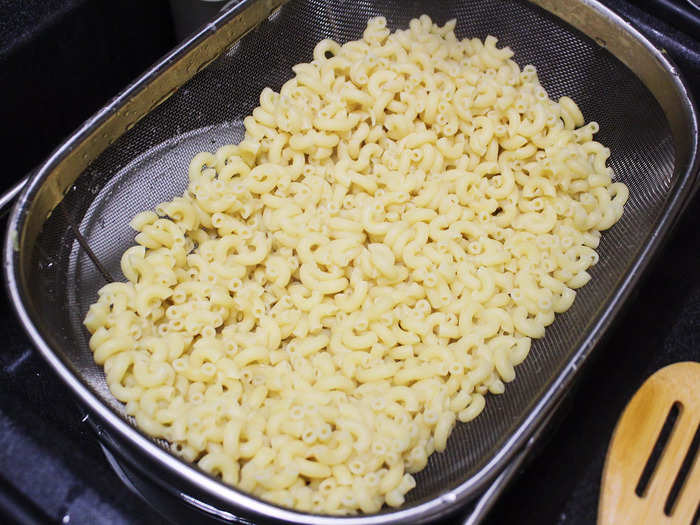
<point x="10" y="195"/>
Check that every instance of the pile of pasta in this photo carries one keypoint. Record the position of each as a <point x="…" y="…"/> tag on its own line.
<point x="330" y="296"/>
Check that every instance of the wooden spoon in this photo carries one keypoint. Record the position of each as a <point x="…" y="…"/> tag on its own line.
<point x="638" y="438"/>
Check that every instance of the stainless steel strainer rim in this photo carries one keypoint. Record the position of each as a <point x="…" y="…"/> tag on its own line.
<point x="436" y="507"/>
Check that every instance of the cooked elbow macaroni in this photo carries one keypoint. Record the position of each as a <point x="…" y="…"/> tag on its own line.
<point x="330" y="296"/>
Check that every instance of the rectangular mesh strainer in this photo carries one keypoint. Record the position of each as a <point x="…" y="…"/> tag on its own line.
<point x="134" y="154"/>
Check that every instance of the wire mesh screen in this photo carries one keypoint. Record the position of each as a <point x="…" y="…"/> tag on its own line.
<point x="148" y="165"/>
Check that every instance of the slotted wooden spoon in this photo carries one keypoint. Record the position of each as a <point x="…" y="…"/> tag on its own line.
<point x="636" y="488"/>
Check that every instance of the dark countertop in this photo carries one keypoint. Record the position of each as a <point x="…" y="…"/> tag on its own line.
<point x="50" y="462"/>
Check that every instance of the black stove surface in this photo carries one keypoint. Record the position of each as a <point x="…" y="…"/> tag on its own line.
<point x="51" y="466"/>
